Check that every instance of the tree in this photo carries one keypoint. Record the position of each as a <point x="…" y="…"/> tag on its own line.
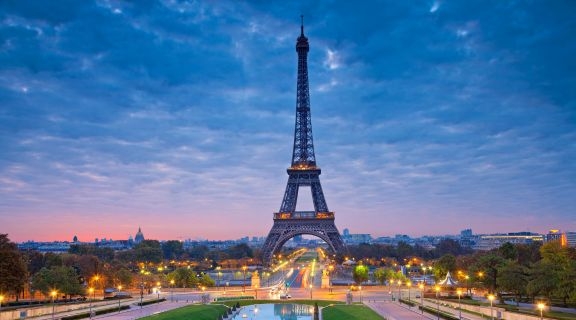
<point x="542" y="279"/>
<point x="52" y="260"/>
<point x="198" y="252"/>
<point x="508" y="251"/>
<point x="183" y="278"/>
<point x="148" y="251"/>
<point x="124" y="276"/>
<point x="561" y="267"/>
<point x="13" y="269"/>
<point x="446" y="263"/>
<point x="240" y="251"/>
<point x="34" y="260"/>
<point x="383" y="274"/>
<point x="403" y="250"/>
<point x="566" y="288"/>
<point x="528" y="253"/>
<point x="512" y="277"/>
<point x="205" y="280"/>
<point x="104" y="254"/>
<point x="489" y="265"/>
<point x="360" y="274"/>
<point x="62" y="279"/>
<point x="172" y="249"/>
<point x="450" y="246"/>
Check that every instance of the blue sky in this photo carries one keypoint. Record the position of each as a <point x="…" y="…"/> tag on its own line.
<point x="428" y="116"/>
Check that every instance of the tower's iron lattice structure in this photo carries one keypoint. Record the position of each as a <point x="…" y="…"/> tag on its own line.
<point x="303" y="172"/>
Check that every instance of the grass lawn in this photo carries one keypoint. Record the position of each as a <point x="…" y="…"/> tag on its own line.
<point x="213" y="311"/>
<point x="349" y="312"/>
<point x="196" y="312"/>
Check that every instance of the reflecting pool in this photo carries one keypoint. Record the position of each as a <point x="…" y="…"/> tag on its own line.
<point x="280" y="311"/>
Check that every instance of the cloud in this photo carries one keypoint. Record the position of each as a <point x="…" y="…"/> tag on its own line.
<point x="435" y="6"/>
<point x="332" y="61"/>
<point x="186" y="109"/>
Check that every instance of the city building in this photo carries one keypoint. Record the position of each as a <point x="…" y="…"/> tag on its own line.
<point x="570" y="239"/>
<point x="492" y="241"/>
<point x="553" y="235"/>
<point x="355" y="238"/>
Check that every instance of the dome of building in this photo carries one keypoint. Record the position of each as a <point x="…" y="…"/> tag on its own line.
<point x="139" y="236"/>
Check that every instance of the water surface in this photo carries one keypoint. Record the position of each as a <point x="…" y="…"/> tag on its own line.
<point x="279" y="311"/>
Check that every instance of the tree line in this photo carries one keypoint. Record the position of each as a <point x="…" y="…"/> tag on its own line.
<point x="85" y="266"/>
<point x="523" y="271"/>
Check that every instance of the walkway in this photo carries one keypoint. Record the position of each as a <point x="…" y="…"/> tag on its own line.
<point x="393" y="311"/>
<point x="136" y="312"/>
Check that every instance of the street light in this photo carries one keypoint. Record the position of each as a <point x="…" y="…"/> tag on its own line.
<point x="310" y="286"/>
<point x="91" y="291"/>
<point x="540" y="307"/>
<point x="459" y="292"/>
<point x="53" y="295"/>
<point x="409" y="284"/>
<point x="158" y="289"/>
<point x="437" y="288"/>
<point x="141" y="293"/>
<point x="360" y="289"/>
<point x="219" y="276"/>
<point x="96" y="280"/>
<point x="244" y="281"/>
<point x="1" y="299"/>
<point x="491" y="298"/>
<point x="399" y="294"/>
<point x="172" y="290"/>
<point x="421" y="286"/>
<point x="480" y="276"/>
<point x="119" y="296"/>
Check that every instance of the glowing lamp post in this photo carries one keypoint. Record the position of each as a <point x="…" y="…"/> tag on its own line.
<point x="437" y="289"/>
<point x="96" y="281"/>
<point x="459" y="292"/>
<point x="91" y="292"/>
<point x="491" y="298"/>
<point x="1" y="299"/>
<point x="409" y="284"/>
<point x="219" y="276"/>
<point x="399" y="293"/>
<point x="119" y="289"/>
<point x="540" y="307"/>
<point x="53" y="295"/>
<point x="421" y="286"/>
<point x="244" y="281"/>
<point x="171" y="290"/>
<point x="310" y="286"/>
<point x="158" y="289"/>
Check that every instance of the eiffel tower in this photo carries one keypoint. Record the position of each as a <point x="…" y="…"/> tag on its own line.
<point x="303" y="172"/>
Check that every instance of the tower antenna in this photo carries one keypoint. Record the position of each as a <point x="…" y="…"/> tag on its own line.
<point x="302" y="24"/>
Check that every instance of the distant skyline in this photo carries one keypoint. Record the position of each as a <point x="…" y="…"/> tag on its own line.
<point x="428" y="117"/>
